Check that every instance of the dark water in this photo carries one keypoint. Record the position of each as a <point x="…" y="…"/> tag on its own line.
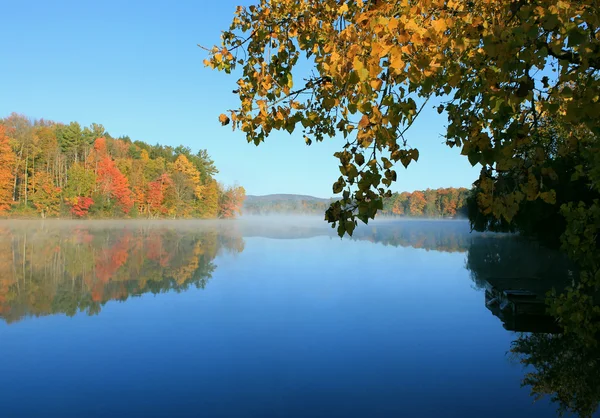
<point x="248" y="319"/>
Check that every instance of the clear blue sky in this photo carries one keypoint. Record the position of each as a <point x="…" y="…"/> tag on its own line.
<point x="135" y="68"/>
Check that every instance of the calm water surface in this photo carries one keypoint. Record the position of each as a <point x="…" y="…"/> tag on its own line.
<point x="256" y="319"/>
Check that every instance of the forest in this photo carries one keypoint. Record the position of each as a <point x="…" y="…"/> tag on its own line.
<point x="431" y="203"/>
<point x="50" y="169"/>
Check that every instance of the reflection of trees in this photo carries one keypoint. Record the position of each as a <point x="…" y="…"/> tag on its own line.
<point x="509" y="256"/>
<point x="564" y="366"/>
<point x="428" y="235"/>
<point x="78" y="269"/>
<point x="446" y="236"/>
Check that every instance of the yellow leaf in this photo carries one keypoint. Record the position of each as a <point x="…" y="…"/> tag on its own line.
<point x="439" y="25"/>
<point x="549" y="197"/>
<point x="396" y="62"/>
<point x="360" y="69"/>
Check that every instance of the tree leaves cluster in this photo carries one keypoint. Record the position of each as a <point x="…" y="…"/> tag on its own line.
<point x="519" y="82"/>
<point x="498" y="68"/>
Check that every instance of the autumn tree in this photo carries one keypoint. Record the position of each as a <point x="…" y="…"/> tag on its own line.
<point x="7" y="162"/>
<point x="113" y="185"/>
<point x="231" y="200"/>
<point x="186" y="180"/>
<point x="80" y="205"/>
<point x="20" y="130"/>
<point x="416" y="203"/>
<point x="45" y="195"/>
<point x="208" y="205"/>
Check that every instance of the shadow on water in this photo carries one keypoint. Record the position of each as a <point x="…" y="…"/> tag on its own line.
<point x="66" y="268"/>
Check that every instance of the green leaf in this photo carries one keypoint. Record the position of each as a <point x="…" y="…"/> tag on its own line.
<point x="474" y="157"/>
<point x="350" y="227"/>
<point x="551" y="22"/>
<point x="341" y="230"/>
<point x="359" y="159"/>
<point x="576" y="37"/>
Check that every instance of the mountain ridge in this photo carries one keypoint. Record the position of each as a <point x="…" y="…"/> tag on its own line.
<point x="285" y="197"/>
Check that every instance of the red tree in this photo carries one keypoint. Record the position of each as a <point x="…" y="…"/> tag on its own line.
<point x="80" y="205"/>
<point x="113" y="184"/>
<point x="231" y="202"/>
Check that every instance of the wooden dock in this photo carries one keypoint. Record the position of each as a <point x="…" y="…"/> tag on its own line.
<point x="520" y="302"/>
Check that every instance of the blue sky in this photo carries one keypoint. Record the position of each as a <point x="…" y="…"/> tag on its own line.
<point x="135" y="68"/>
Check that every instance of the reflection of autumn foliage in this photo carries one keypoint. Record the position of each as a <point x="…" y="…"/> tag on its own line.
<point x="69" y="270"/>
<point x="6" y="269"/>
<point x="155" y="250"/>
<point x="109" y="261"/>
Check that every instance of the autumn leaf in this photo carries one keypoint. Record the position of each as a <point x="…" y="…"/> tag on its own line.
<point x="224" y="119"/>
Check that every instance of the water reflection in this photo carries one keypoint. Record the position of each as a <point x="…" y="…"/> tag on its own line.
<point x="53" y="267"/>
<point x="517" y="276"/>
<point x="49" y="268"/>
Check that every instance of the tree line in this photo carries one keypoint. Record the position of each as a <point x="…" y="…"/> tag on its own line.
<point x="432" y="203"/>
<point x="51" y="169"/>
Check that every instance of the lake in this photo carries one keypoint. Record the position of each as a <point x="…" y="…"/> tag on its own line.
<point x="274" y="318"/>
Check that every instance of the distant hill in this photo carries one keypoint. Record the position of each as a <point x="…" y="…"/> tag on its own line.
<point x="284" y="203"/>
<point x="283" y="197"/>
<point x="447" y="202"/>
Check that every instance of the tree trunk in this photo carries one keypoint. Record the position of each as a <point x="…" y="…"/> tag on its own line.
<point x="26" y="179"/>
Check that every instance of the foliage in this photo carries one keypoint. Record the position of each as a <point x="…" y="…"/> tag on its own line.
<point x="519" y="82"/>
<point x="80" y="205"/>
<point x="209" y="201"/>
<point x="376" y="64"/>
<point x="112" y="184"/>
<point x="43" y="164"/>
<point x="559" y="172"/>
<point x="45" y="195"/>
<point x="231" y="201"/>
<point x="7" y="162"/>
